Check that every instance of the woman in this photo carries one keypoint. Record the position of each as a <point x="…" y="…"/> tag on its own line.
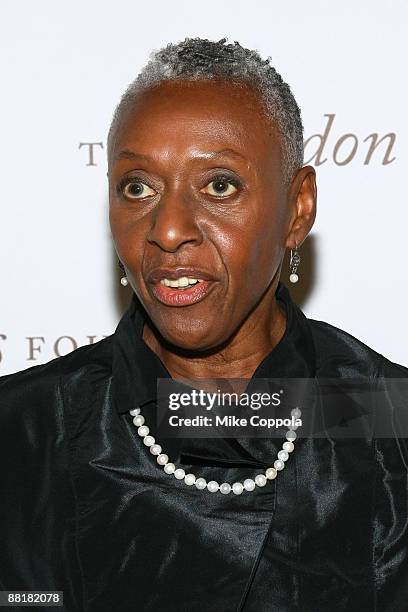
<point x="207" y="191"/>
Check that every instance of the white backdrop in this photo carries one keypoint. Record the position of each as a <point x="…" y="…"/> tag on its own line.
<point x="63" y="69"/>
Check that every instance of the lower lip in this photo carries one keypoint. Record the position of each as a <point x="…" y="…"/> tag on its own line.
<point x="182" y="297"/>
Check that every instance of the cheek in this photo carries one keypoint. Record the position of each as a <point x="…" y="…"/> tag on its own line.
<point x="128" y="237"/>
<point x="255" y="252"/>
<point x="264" y="253"/>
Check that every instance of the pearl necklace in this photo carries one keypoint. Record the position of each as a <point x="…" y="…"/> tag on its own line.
<point x="249" y="484"/>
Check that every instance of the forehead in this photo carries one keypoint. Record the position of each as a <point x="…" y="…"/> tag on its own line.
<point x="179" y="115"/>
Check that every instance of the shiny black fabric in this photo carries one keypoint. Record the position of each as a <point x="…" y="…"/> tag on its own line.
<point x="85" y="508"/>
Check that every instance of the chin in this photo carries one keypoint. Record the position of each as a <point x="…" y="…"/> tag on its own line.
<point x="193" y="338"/>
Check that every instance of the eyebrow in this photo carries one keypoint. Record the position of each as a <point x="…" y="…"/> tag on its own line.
<point x="128" y="154"/>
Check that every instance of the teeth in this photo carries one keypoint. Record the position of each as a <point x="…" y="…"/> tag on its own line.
<point x="183" y="281"/>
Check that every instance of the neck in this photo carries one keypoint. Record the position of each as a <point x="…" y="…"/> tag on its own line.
<point x="256" y="337"/>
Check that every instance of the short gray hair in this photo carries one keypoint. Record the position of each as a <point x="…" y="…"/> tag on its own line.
<point x="199" y="58"/>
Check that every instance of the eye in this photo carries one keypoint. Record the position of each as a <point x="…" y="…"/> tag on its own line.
<point x="134" y="189"/>
<point x="220" y="186"/>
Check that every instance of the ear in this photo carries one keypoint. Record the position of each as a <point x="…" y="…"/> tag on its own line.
<point x="302" y="206"/>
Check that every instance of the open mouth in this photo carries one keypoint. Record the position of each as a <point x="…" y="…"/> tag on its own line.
<point x="182" y="291"/>
<point x="181" y="283"/>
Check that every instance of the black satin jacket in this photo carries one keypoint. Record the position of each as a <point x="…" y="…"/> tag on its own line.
<point x="85" y="509"/>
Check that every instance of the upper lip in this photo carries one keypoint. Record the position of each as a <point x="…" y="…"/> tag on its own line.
<point x="173" y="273"/>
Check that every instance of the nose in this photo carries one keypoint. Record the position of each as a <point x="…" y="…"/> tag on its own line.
<point x="174" y="224"/>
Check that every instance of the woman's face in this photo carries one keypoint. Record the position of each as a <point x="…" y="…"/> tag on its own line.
<point x="196" y="181"/>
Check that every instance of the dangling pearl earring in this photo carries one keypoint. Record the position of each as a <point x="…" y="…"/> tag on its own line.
<point x="124" y="281"/>
<point x="294" y="264"/>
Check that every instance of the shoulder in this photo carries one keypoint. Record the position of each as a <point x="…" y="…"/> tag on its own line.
<point x="35" y="391"/>
<point x="340" y="353"/>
